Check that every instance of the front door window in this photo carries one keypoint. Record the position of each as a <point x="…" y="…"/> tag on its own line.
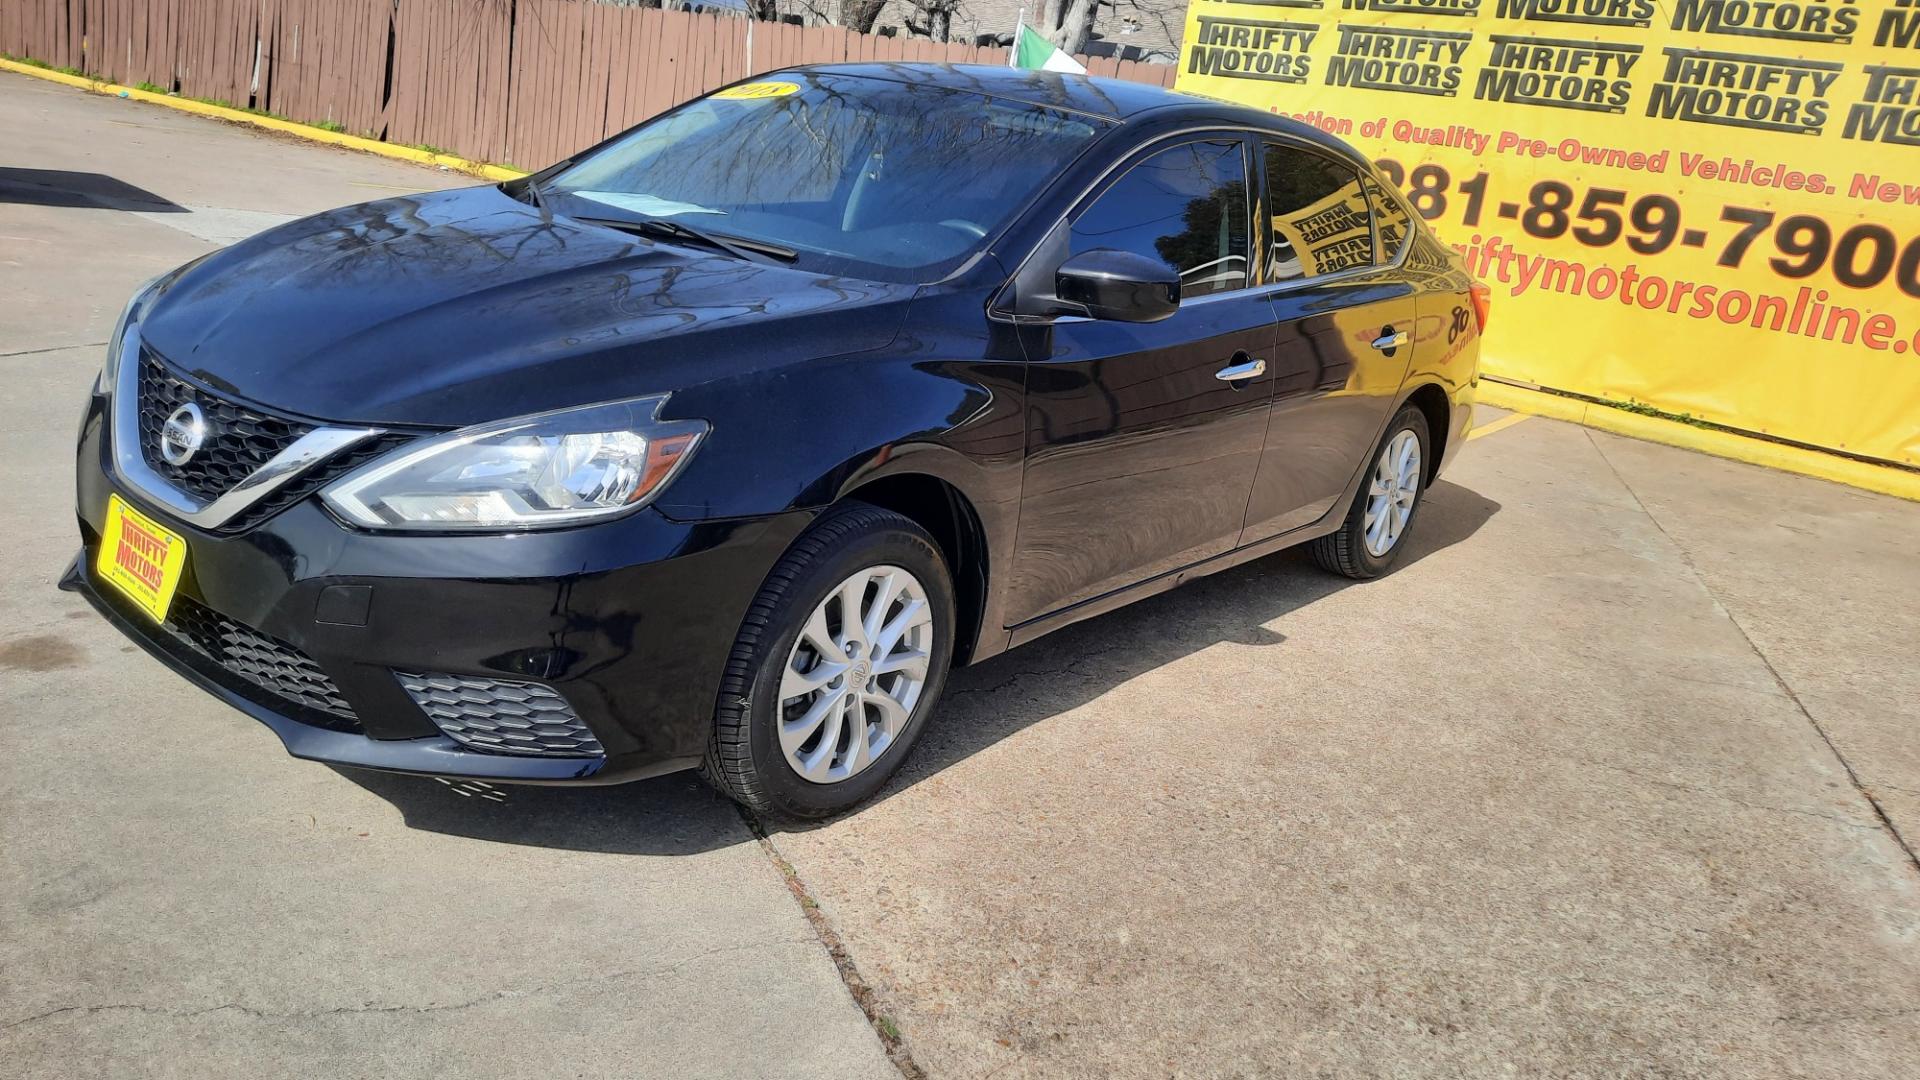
<point x="1185" y="207"/>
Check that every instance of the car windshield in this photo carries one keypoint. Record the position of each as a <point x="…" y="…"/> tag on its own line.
<point x="855" y="175"/>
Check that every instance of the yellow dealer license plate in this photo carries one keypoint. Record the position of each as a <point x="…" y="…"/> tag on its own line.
<point x="141" y="558"/>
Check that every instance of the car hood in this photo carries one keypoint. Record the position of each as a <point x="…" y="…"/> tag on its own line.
<point x="462" y="306"/>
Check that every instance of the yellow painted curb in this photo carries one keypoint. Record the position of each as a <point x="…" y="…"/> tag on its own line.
<point x="304" y="131"/>
<point x="1841" y="470"/>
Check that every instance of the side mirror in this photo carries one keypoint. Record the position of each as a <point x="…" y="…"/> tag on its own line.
<point x="1118" y="285"/>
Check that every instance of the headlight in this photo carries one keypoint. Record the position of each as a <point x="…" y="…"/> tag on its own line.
<point x="534" y="472"/>
<point x="111" y="369"/>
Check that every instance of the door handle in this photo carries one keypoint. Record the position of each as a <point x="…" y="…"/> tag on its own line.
<point x="1389" y="339"/>
<point x="1236" y="372"/>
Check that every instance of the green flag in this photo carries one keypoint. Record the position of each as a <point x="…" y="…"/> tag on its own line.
<point x="1036" y="53"/>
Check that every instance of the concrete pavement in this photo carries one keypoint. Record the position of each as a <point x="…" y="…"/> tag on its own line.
<point x="1605" y="780"/>
<point x="1534" y="804"/>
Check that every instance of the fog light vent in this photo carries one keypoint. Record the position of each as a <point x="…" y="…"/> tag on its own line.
<point x="501" y="717"/>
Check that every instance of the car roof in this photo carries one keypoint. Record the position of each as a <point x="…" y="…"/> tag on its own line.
<point x="1111" y="99"/>
<point x="1114" y="99"/>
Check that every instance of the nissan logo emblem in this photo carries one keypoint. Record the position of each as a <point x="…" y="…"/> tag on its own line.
<point x="182" y="434"/>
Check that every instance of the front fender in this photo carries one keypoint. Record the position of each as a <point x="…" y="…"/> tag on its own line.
<point x="800" y="437"/>
<point x="945" y="401"/>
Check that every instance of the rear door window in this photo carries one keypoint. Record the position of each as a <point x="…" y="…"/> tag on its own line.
<point x="1318" y="213"/>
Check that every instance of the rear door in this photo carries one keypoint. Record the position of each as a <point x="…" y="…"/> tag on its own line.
<point x="1332" y="242"/>
<point x="1143" y="438"/>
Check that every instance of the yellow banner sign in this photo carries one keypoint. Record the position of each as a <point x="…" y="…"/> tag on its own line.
<point x="1708" y="206"/>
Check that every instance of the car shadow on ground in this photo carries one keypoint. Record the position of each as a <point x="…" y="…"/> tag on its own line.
<point x="669" y="815"/>
<point x="678" y="815"/>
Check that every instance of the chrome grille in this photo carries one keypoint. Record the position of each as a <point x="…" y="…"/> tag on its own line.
<point x="268" y="663"/>
<point x="501" y="716"/>
<point x="239" y="440"/>
<point x="311" y="481"/>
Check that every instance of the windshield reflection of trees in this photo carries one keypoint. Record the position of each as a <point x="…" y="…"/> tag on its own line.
<point x="889" y="173"/>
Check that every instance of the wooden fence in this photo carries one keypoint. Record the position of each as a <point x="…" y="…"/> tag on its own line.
<point x="522" y="82"/>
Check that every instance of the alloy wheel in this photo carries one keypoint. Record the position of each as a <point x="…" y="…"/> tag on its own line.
<point x="1390" y="496"/>
<point x="855" y="674"/>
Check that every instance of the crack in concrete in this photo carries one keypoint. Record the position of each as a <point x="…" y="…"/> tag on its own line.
<point x="53" y="348"/>
<point x="857" y="986"/>
<point x="369" y="1008"/>
<point x="1853" y="775"/>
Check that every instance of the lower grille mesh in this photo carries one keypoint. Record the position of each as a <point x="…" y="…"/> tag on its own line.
<point x="501" y="717"/>
<point x="266" y="662"/>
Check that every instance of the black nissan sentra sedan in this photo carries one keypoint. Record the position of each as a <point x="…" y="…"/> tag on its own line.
<point x="719" y="444"/>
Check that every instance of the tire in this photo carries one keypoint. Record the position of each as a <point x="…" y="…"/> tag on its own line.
<point x="746" y="759"/>
<point x="1346" y="550"/>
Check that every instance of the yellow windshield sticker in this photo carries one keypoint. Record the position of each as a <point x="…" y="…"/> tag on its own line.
<point x="754" y="91"/>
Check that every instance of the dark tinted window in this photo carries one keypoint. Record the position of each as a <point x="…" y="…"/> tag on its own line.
<point x="1320" y="219"/>
<point x="1186" y="207"/>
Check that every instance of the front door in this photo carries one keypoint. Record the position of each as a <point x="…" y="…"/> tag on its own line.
<point x="1345" y="332"/>
<point x="1143" y="438"/>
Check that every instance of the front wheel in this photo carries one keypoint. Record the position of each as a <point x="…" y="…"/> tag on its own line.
<point x="837" y="664"/>
<point x="1381" y="517"/>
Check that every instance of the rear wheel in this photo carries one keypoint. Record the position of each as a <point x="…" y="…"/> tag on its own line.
<point x="1383" y="510"/>
<point x="836" y="666"/>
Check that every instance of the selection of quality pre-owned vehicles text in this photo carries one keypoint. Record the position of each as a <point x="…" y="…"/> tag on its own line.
<point x="718" y="445"/>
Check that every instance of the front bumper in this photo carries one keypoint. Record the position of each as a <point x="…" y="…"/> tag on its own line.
<point x="629" y="621"/>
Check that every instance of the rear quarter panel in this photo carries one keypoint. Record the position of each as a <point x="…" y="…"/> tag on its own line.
<point x="1447" y="352"/>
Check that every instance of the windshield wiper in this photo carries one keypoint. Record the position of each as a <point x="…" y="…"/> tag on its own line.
<point x="739" y="246"/>
<point x="524" y="191"/>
